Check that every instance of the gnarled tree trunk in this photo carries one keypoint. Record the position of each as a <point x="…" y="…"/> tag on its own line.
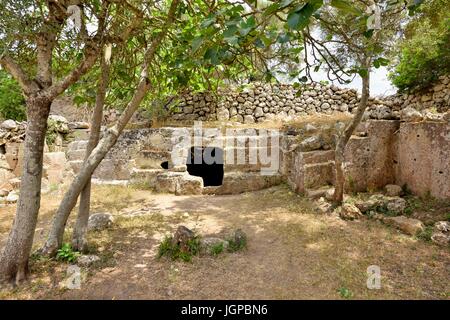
<point x="14" y="258"/>
<point x="345" y="137"/>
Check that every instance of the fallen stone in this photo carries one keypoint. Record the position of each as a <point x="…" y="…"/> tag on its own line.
<point x="311" y="143"/>
<point x="87" y="260"/>
<point x="393" y="190"/>
<point x="407" y="225"/>
<point x="441" y="233"/>
<point x="349" y="211"/>
<point x="189" y="185"/>
<point x="366" y="205"/>
<point x="8" y="125"/>
<point x="100" y="221"/>
<point x="12" y="197"/>
<point x="182" y="237"/>
<point x="396" y="205"/>
<point x="442" y="226"/>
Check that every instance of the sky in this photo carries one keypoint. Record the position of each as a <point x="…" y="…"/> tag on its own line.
<point x="380" y="85"/>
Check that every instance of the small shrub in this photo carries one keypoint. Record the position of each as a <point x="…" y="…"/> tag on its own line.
<point x="217" y="249"/>
<point x="448" y="217"/>
<point x="425" y="234"/>
<point x="173" y="251"/>
<point x="67" y="254"/>
<point x="345" y="293"/>
<point x="236" y="245"/>
<point x="385" y="211"/>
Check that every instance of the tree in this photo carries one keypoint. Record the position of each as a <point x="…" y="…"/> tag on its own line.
<point x="424" y="50"/>
<point x="25" y="25"/>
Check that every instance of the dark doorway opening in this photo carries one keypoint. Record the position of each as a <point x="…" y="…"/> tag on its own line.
<point x="165" y="165"/>
<point x="206" y="163"/>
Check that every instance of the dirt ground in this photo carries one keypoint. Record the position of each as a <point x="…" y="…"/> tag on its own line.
<point x="292" y="253"/>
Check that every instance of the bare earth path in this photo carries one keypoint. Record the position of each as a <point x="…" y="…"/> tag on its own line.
<point x="293" y="253"/>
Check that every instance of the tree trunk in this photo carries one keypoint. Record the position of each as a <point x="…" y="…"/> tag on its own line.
<point x="14" y="258"/>
<point x="345" y="137"/>
<point x="79" y="241"/>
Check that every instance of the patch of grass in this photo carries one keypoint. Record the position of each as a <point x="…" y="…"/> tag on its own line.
<point x="425" y="234"/>
<point x="175" y="252"/>
<point x="67" y="254"/>
<point x="345" y="293"/>
<point x="236" y="244"/>
<point x="447" y="217"/>
<point x="217" y="249"/>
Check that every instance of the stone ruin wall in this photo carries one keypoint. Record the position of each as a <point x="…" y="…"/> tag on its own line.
<point x="266" y="102"/>
<point x="414" y="151"/>
<point x="415" y="154"/>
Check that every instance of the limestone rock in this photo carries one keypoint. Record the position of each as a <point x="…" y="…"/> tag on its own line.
<point x="8" y="125"/>
<point x="410" y="115"/>
<point x="100" y="221"/>
<point x="349" y="211"/>
<point x="393" y="190"/>
<point x="182" y="237"/>
<point x="12" y="197"/>
<point x="311" y="143"/>
<point x="87" y="260"/>
<point x="223" y="115"/>
<point x="189" y="185"/>
<point x="248" y="119"/>
<point x="441" y="233"/>
<point x="407" y="225"/>
<point x="396" y="205"/>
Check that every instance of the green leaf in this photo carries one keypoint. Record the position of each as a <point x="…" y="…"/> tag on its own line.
<point x="380" y="62"/>
<point x="346" y="6"/>
<point x="299" y="18"/>
<point x="208" y="21"/>
<point x="369" y="33"/>
<point x="196" y="43"/>
<point x="211" y="55"/>
<point x="363" y="72"/>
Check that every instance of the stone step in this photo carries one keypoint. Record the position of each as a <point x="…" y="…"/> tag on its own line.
<point x="318" y="174"/>
<point x="239" y="182"/>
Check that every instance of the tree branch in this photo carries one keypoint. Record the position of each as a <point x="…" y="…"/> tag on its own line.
<point x="26" y="84"/>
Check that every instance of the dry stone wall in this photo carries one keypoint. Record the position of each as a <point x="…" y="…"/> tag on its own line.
<point x="264" y="102"/>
